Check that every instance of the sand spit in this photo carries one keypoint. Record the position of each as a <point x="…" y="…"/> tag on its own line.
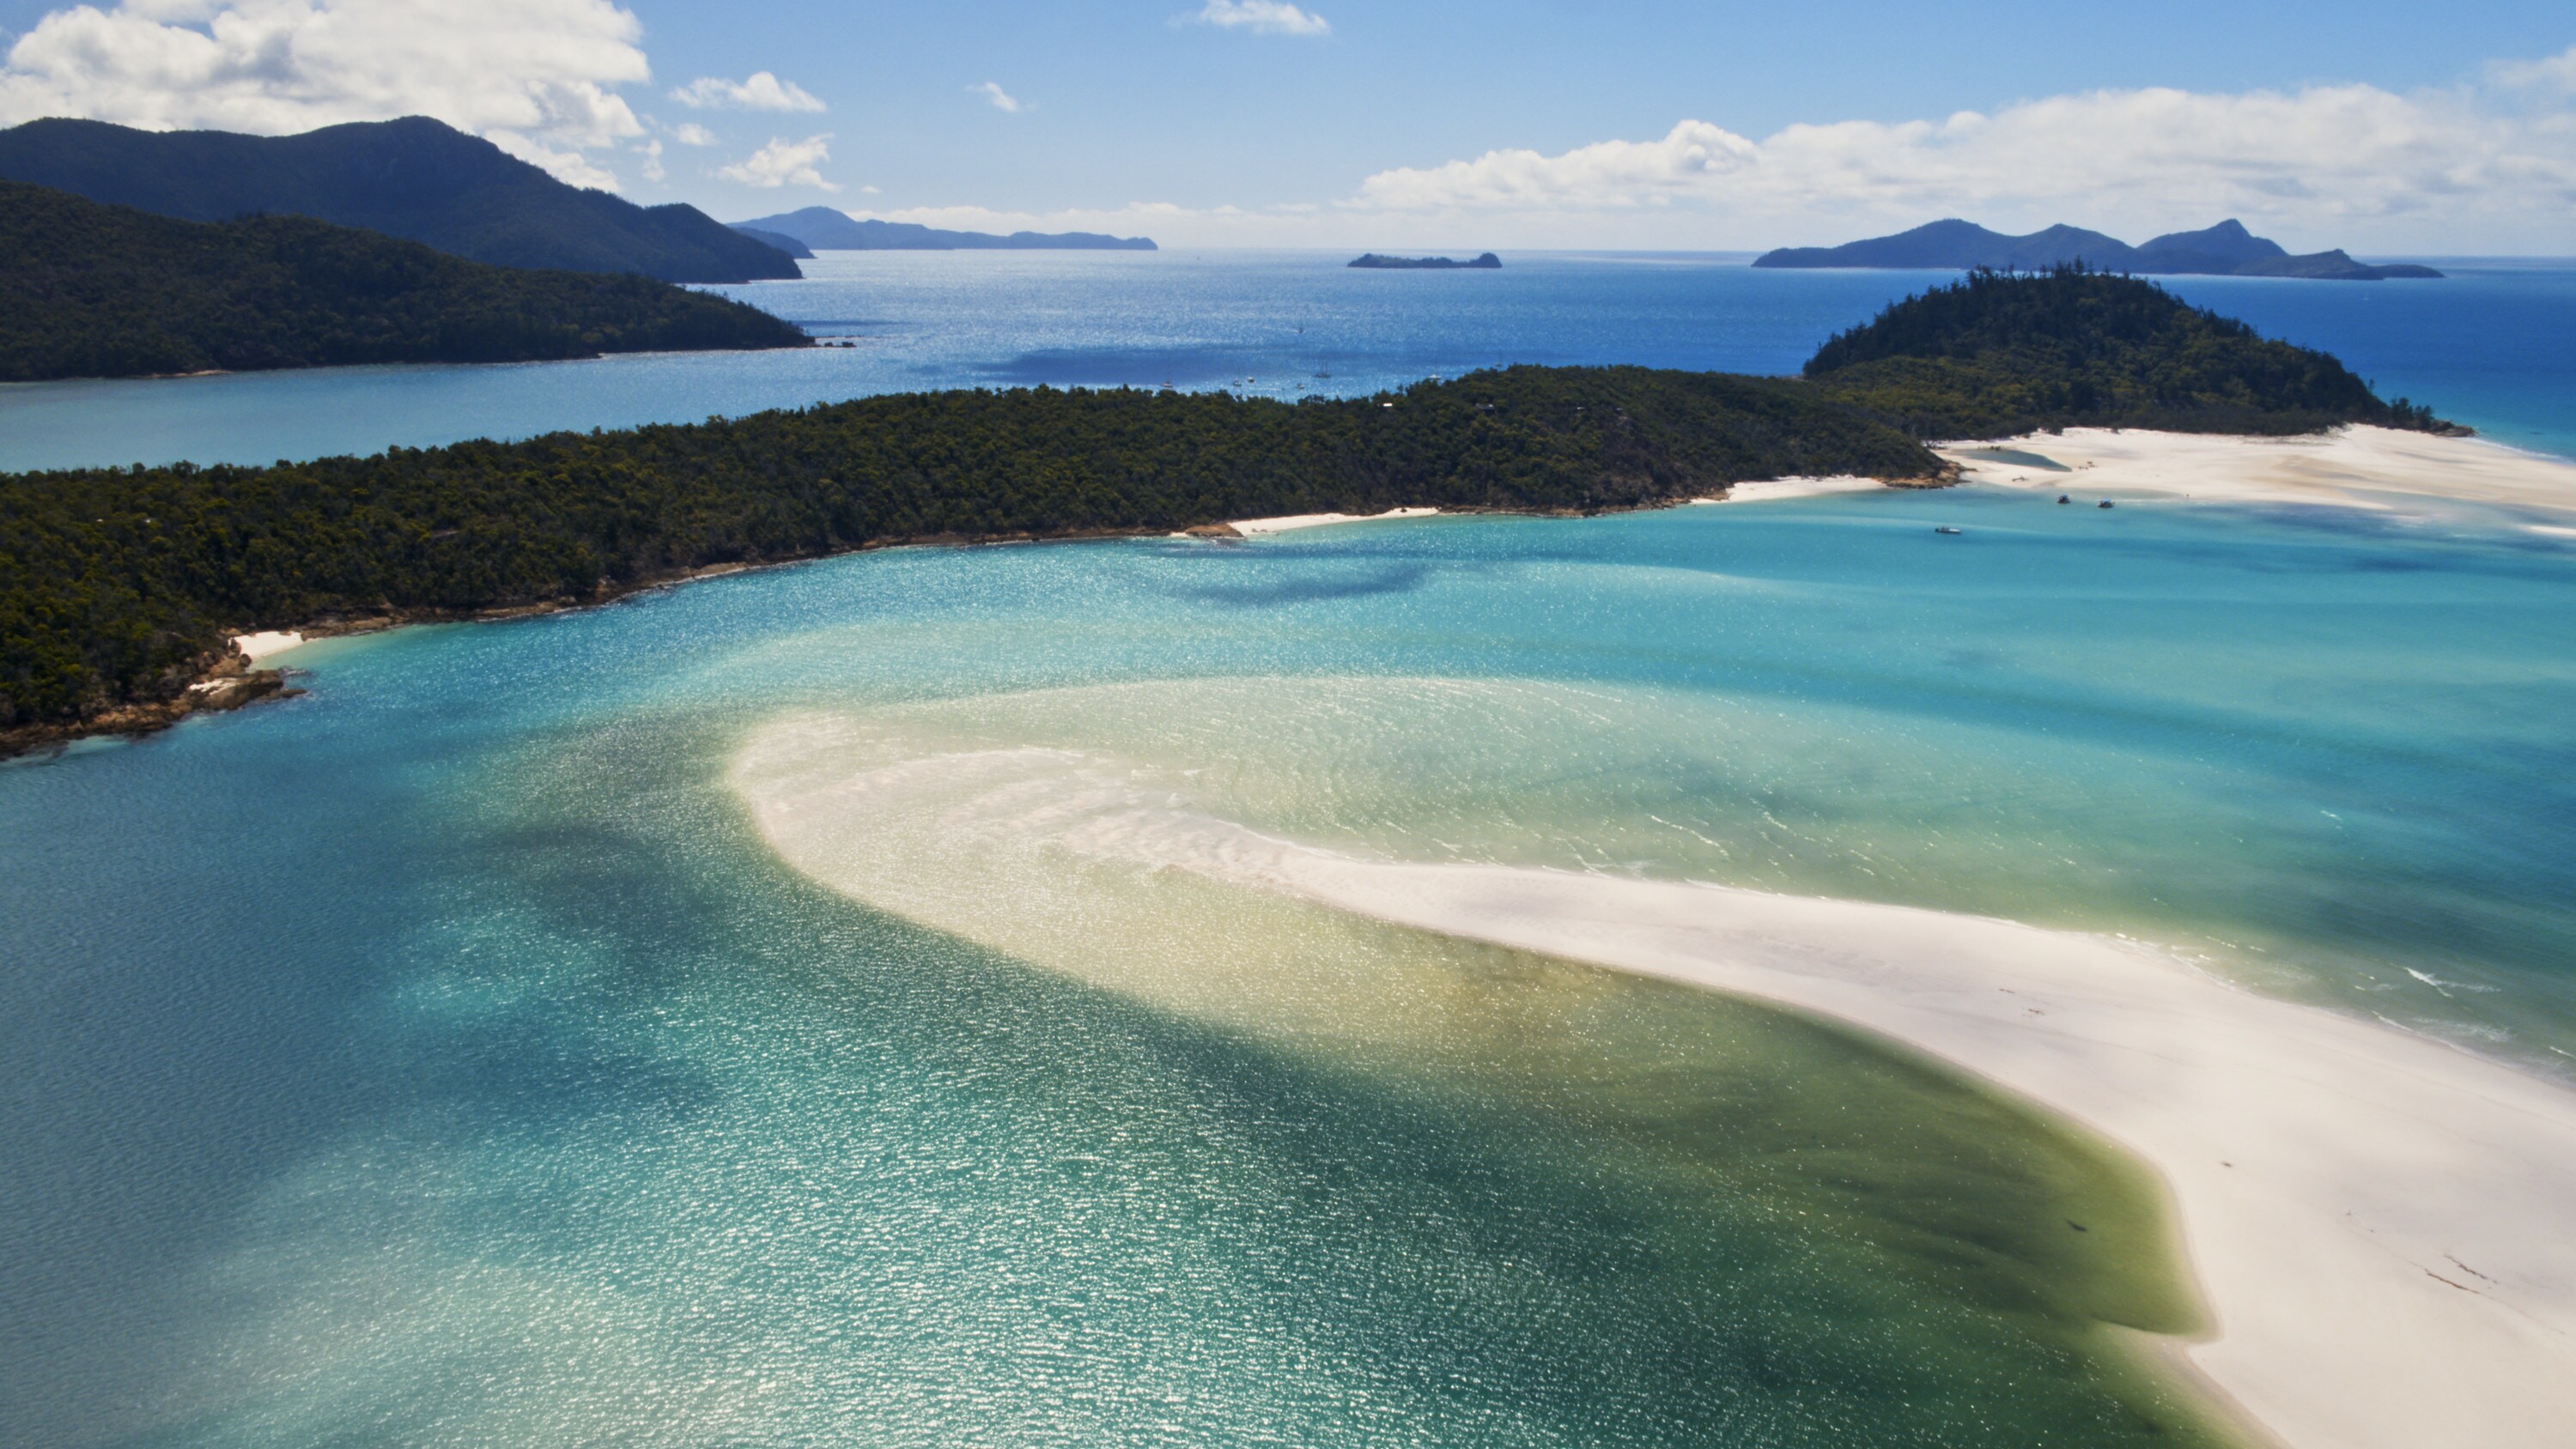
<point x="2382" y="469"/>
<point x="2380" y="1223"/>
<point x="1768" y="489"/>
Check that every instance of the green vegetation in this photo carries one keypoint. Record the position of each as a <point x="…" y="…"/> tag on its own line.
<point x="1999" y="353"/>
<point x="115" y="584"/>
<point x="414" y="178"/>
<point x="88" y="290"/>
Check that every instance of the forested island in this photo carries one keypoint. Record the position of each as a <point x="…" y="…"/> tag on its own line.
<point x="1372" y="261"/>
<point x="414" y="178"/>
<point x="1999" y="353"/>
<point x="2224" y="250"/>
<point x="824" y="228"/>
<point x="90" y="290"/>
<point x="118" y="587"/>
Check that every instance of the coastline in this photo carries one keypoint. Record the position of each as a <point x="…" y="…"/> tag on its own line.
<point x="2380" y="470"/>
<point x="2376" y="1220"/>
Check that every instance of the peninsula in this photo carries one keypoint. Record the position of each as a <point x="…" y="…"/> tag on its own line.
<point x="824" y="229"/>
<point x="2226" y="250"/>
<point x="414" y="178"/>
<point x="1374" y="262"/>
<point x="119" y="587"/>
<point x="106" y="291"/>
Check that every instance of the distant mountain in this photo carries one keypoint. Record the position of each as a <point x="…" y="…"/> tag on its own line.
<point x="1486" y="263"/>
<point x="827" y="230"/>
<point x="780" y="240"/>
<point x="413" y="178"/>
<point x="90" y="290"/>
<point x="2226" y="249"/>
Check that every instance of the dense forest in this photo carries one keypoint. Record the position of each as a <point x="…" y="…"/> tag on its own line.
<point x="117" y="585"/>
<point x="90" y="290"/>
<point x="1998" y="353"/>
<point x="413" y="177"/>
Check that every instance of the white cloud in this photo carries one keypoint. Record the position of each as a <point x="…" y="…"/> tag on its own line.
<point x="2336" y="165"/>
<point x="1261" y="17"/>
<point x="1000" y="99"/>
<point x="690" y="133"/>
<point x="536" y="77"/>
<point x="784" y="163"/>
<point x="2556" y="73"/>
<point x="760" y="92"/>
<point x="651" y="151"/>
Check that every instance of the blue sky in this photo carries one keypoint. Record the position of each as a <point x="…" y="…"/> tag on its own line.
<point x="2370" y="125"/>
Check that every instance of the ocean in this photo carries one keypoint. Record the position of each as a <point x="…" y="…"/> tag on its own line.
<point x="450" y="1055"/>
<point x="2488" y="345"/>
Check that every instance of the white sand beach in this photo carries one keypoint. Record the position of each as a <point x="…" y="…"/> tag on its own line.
<point x="256" y="647"/>
<point x="2381" y="469"/>
<point x="1768" y="489"/>
<point x="1255" y="527"/>
<point x="2380" y="1223"/>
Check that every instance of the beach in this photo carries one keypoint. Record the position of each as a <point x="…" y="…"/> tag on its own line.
<point x="2384" y="470"/>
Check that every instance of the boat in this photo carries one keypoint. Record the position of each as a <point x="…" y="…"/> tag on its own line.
<point x="1945" y="528"/>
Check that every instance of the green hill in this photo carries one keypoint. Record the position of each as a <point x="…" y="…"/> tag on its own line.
<point x="413" y="178"/>
<point x="116" y="585"/>
<point x="103" y="291"/>
<point x="1998" y="353"/>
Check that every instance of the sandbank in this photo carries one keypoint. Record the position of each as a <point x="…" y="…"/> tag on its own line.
<point x="2381" y="469"/>
<point x="1255" y="527"/>
<point x="2383" y="1226"/>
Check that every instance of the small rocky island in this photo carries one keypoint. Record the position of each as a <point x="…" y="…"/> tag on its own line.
<point x="1487" y="263"/>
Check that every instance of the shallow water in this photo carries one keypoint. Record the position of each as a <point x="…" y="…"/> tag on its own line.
<point x="444" y="1057"/>
<point x="2494" y="345"/>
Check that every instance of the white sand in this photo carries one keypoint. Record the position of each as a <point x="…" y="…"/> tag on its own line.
<point x="256" y="647"/>
<point x="2381" y="469"/>
<point x="2384" y="1227"/>
<point x="1255" y="527"/>
<point x="1769" y="489"/>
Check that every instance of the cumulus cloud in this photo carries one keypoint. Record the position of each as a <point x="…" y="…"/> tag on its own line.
<point x="1000" y="99"/>
<point x="784" y="163"/>
<point x="690" y="133"/>
<point x="536" y="77"/>
<point x="1261" y="17"/>
<point x="2351" y="161"/>
<point x="760" y="92"/>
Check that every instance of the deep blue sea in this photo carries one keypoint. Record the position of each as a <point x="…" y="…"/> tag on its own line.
<point x="2488" y="345"/>
<point x="445" y="1057"/>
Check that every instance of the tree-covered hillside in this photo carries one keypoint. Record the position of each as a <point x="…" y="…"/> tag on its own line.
<point x="1998" y="353"/>
<point x="115" y="585"/>
<point x="413" y="177"/>
<point x="88" y="290"/>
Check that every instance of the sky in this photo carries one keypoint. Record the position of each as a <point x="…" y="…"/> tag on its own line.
<point x="2380" y="128"/>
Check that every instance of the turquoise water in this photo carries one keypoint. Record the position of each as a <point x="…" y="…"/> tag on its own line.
<point x="2489" y="345"/>
<point x="444" y="1057"/>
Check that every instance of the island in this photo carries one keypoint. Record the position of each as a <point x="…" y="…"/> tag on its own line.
<point x="2224" y="250"/>
<point x="119" y="587"/>
<point x="1374" y="262"/>
<point x="92" y="290"/>
<point x="414" y="178"/>
<point x="825" y="229"/>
